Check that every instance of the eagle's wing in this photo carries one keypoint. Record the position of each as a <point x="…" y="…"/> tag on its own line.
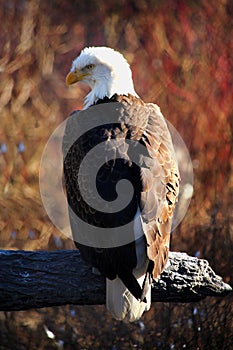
<point x="156" y="176"/>
<point x="160" y="179"/>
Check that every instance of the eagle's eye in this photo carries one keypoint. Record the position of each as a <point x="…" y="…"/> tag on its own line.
<point x="90" y="66"/>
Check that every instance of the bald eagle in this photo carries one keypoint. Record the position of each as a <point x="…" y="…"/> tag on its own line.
<point x="135" y="147"/>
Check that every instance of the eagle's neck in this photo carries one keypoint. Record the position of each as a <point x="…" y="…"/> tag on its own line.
<point x="107" y="87"/>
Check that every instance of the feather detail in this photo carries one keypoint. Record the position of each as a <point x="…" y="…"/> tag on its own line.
<point x="122" y="304"/>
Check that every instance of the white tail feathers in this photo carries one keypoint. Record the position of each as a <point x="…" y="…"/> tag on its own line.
<point x="122" y="304"/>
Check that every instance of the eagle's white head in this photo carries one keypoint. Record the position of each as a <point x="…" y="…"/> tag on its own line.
<point x="105" y="70"/>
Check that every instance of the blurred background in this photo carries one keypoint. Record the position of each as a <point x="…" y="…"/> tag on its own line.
<point x="181" y="57"/>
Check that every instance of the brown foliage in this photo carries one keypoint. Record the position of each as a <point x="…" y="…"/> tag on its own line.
<point x="181" y="57"/>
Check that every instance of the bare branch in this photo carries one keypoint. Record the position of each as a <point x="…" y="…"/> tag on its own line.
<point x="34" y="279"/>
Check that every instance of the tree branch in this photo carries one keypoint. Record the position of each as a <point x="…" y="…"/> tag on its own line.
<point x="34" y="279"/>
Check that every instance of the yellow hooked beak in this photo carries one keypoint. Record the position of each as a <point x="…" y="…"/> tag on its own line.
<point x="74" y="77"/>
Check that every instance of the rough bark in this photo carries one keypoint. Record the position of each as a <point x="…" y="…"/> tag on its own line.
<point x="40" y="279"/>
